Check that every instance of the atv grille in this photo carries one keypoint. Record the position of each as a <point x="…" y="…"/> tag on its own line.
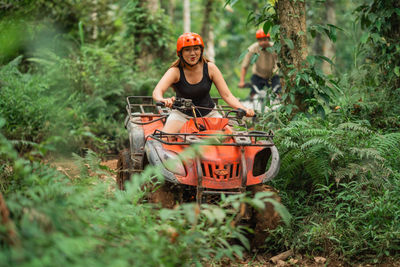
<point x="221" y="171"/>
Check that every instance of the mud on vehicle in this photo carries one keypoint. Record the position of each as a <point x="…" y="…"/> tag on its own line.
<point x="230" y="162"/>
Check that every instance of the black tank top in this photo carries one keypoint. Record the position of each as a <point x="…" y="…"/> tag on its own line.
<point x="199" y="92"/>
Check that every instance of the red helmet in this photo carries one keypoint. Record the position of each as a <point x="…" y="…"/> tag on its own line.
<point x="188" y="39"/>
<point x="261" y="34"/>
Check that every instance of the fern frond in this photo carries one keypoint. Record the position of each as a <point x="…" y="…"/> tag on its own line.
<point x="318" y="168"/>
<point x="323" y="142"/>
<point x="316" y="132"/>
<point x="354" y="127"/>
<point x="367" y="153"/>
<point x="388" y="143"/>
<point x="288" y="143"/>
<point x="24" y="142"/>
<point x="291" y="164"/>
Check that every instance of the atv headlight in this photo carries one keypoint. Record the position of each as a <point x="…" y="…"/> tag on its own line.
<point x="172" y="162"/>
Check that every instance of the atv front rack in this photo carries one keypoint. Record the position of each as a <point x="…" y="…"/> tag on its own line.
<point x="239" y="138"/>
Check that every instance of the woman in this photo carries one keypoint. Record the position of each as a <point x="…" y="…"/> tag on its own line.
<point x="191" y="76"/>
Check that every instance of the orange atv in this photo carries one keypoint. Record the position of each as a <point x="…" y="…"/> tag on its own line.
<point x="230" y="162"/>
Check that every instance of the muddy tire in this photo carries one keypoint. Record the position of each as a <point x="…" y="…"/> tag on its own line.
<point x="124" y="168"/>
<point x="164" y="195"/>
<point x="263" y="220"/>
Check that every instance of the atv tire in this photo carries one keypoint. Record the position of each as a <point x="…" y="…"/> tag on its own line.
<point x="163" y="195"/>
<point x="263" y="220"/>
<point x="124" y="168"/>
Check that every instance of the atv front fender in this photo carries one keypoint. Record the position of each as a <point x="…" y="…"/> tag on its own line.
<point x="136" y="135"/>
<point x="275" y="165"/>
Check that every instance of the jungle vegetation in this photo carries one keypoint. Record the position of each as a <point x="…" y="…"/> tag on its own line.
<point x="66" y="67"/>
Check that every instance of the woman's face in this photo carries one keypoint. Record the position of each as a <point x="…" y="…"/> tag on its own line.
<point x="191" y="54"/>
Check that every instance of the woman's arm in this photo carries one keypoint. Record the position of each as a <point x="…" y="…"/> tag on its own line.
<point x="222" y="87"/>
<point x="169" y="78"/>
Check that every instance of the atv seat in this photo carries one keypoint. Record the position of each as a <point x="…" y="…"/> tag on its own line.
<point x="217" y="124"/>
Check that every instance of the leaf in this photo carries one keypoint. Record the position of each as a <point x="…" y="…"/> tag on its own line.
<point x="326" y="59"/>
<point x="267" y="26"/>
<point x="313" y="32"/>
<point x="397" y="71"/>
<point x="209" y="215"/>
<point x="257" y="203"/>
<point x="364" y="37"/>
<point x="233" y="2"/>
<point x="166" y="214"/>
<point x="254" y="58"/>
<point x="242" y="55"/>
<point x="321" y="111"/>
<point x="289" y="42"/>
<point x="281" y="209"/>
<point x="219" y="214"/>
<point x="334" y="26"/>
<point x="292" y="97"/>
<point x="288" y="109"/>
<point x="298" y="79"/>
<point x="275" y="30"/>
<point x="311" y="60"/>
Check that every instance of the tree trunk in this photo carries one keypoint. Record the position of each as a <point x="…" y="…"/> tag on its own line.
<point x="186" y="16"/>
<point x="207" y="31"/>
<point x="292" y="21"/>
<point x="146" y="56"/>
<point x="94" y="20"/>
<point x="152" y="5"/>
<point x="328" y="48"/>
<point x="210" y="48"/>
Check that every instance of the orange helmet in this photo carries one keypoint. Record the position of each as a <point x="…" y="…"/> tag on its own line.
<point x="261" y="34"/>
<point x="188" y="39"/>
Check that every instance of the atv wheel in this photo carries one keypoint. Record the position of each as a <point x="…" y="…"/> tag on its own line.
<point x="163" y="195"/>
<point x="266" y="219"/>
<point x="124" y="168"/>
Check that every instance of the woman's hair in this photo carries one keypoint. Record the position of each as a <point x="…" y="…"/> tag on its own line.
<point x="179" y="62"/>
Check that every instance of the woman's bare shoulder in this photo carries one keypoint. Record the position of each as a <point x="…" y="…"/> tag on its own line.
<point x="212" y="68"/>
<point x="173" y="73"/>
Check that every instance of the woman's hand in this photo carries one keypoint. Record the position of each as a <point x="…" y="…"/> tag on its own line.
<point x="249" y="112"/>
<point x="168" y="102"/>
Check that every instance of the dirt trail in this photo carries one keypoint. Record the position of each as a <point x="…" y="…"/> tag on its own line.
<point x="112" y="165"/>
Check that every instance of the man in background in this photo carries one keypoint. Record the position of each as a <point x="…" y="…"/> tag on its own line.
<point x="265" y="66"/>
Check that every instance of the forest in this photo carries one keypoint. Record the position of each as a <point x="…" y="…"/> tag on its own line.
<point x="67" y="67"/>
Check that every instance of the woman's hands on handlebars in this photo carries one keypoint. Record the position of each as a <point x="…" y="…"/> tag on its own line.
<point x="249" y="112"/>
<point x="168" y="102"/>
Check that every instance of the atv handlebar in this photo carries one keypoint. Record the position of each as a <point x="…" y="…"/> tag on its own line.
<point x="179" y="103"/>
<point x="184" y="103"/>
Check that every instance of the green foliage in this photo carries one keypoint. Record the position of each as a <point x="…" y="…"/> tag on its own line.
<point x="80" y="221"/>
<point x="381" y="19"/>
<point x="325" y="153"/>
<point x="150" y="31"/>
<point x="352" y="220"/>
<point x="340" y="183"/>
<point x="380" y="43"/>
<point x="25" y="103"/>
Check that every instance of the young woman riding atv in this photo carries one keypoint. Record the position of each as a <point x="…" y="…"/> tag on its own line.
<point x="191" y="76"/>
